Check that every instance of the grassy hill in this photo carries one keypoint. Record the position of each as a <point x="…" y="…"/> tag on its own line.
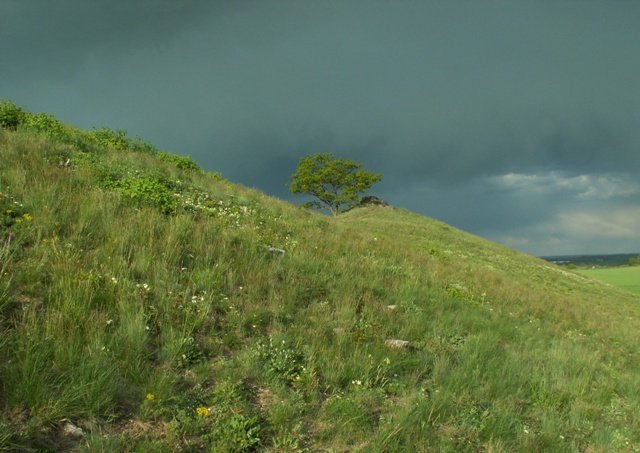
<point x="141" y="309"/>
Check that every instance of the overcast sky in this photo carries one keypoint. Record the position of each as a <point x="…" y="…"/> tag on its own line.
<point x="515" y="120"/>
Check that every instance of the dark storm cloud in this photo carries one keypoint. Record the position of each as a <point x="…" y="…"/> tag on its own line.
<point x="441" y="97"/>
<point x="57" y="36"/>
<point x="450" y="92"/>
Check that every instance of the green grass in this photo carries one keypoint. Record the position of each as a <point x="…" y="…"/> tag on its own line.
<point x="139" y="302"/>
<point x="627" y="278"/>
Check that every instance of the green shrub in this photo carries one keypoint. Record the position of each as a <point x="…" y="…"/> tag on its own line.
<point x="224" y="425"/>
<point x="111" y="139"/>
<point x="81" y="140"/>
<point x="281" y="362"/>
<point x="181" y="162"/>
<point x="149" y="190"/>
<point x="119" y="140"/>
<point x="45" y="124"/>
<point x="236" y="433"/>
<point x="11" y="116"/>
<point x="139" y="145"/>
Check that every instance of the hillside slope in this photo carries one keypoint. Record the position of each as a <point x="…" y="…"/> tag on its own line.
<point x="142" y="309"/>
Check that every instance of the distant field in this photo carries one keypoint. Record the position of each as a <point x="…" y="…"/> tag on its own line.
<point x="623" y="277"/>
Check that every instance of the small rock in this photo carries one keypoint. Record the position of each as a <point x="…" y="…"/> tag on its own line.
<point x="373" y="200"/>
<point x="72" y="430"/>
<point x="396" y="344"/>
<point x="275" y="251"/>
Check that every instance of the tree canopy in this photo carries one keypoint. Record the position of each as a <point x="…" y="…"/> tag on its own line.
<point x="336" y="183"/>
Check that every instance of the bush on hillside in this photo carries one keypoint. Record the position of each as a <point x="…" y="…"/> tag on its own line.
<point x="139" y="145"/>
<point x="112" y="139"/>
<point x="45" y="124"/>
<point x="149" y="190"/>
<point x="119" y="140"/>
<point x="181" y="162"/>
<point x="11" y="116"/>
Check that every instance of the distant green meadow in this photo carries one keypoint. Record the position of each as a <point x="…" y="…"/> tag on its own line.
<point x="623" y="277"/>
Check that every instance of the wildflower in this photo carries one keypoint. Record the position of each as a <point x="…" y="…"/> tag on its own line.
<point x="202" y="411"/>
<point x="357" y="382"/>
<point x="114" y="280"/>
<point x="150" y="397"/>
<point x="109" y="322"/>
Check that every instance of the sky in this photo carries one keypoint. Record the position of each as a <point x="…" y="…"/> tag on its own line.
<point x="516" y="120"/>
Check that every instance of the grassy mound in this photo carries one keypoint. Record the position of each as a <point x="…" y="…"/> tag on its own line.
<point x="143" y="308"/>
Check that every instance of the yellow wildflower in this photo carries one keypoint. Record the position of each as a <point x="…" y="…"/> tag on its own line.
<point x="202" y="411"/>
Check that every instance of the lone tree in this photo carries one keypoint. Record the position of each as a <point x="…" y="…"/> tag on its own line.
<point x="336" y="183"/>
